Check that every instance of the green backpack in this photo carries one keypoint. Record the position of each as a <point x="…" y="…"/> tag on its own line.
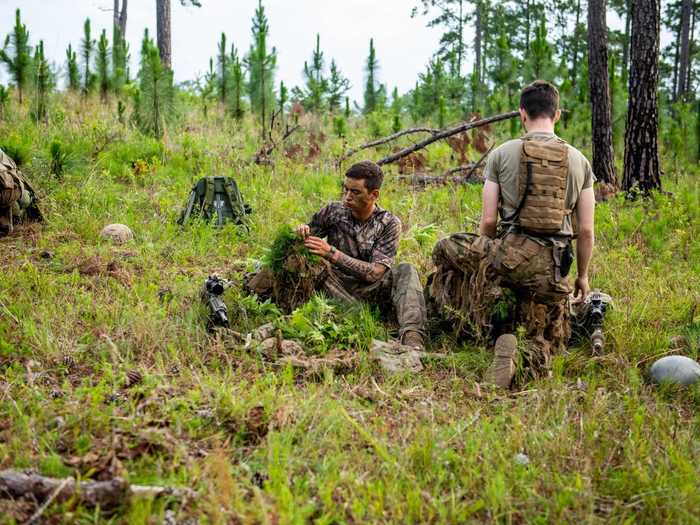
<point x="216" y="198"/>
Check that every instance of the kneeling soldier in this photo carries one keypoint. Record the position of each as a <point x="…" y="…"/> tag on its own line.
<point x="542" y="188"/>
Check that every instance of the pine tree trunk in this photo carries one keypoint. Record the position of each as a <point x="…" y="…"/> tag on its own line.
<point x="603" y="159"/>
<point x="685" y="49"/>
<point x="674" y="90"/>
<point x="477" y="55"/>
<point x="164" y="35"/>
<point x="688" y="84"/>
<point x="626" y="44"/>
<point x="119" y="17"/>
<point x="641" y="132"/>
<point x="574" y="72"/>
<point x="527" y="29"/>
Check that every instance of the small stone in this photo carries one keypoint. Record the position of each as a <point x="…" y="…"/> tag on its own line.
<point x="677" y="369"/>
<point x="46" y="254"/>
<point x="117" y="233"/>
<point x="521" y="459"/>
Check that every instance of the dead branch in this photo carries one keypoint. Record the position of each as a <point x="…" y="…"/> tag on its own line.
<point x="447" y="133"/>
<point x="15" y="484"/>
<point x="386" y="139"/>
<point x="262" y="156"/>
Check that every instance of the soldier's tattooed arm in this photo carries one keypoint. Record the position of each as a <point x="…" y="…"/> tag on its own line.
<point x="367" y="271"/>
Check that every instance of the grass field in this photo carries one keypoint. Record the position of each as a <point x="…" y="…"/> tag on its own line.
<point x="594" y="443"/>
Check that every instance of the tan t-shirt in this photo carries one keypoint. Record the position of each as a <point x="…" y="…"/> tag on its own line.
<point x="503" y="165"/>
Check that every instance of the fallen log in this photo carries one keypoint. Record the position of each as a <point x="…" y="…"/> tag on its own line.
<point x="386" y="139"/>
<point x="15" y="484"/>
<point x="465" y="126"/>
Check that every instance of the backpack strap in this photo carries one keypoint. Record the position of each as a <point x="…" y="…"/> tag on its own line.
<point x="208" y="197"/>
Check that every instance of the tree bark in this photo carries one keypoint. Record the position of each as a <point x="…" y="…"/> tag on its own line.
<point x="120" y="16"/>
<point x="603" y="158"/>
<point x="641" y="132"/>
<point x="685" y="49"/>
<point x="164" y="34"/>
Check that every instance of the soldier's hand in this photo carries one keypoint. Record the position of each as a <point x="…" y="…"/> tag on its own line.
<point x="317" y="246"/>
<point x="581" y="289"/>
<point x="303" y="231"/>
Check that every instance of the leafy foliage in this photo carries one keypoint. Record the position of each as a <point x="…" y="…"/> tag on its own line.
<point x="286" y="244"/>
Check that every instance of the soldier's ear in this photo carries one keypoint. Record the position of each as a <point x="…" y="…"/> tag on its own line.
<point x="557" y="116"/>
<point x="374" y="194"/>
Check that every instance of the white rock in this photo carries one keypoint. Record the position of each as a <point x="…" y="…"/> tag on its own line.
<point x="117" y="233"/>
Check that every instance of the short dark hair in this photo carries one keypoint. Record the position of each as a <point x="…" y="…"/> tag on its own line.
<point x="540" y="99"/>
<point x="370" y="172"/>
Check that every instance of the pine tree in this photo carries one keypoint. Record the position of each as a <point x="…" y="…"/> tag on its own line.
<point x="601" y="126"/>
<point x="87" y="48"/>
<point x="18" y="64"/>
<point x="155" y="94"/>
<point x="642" y="168"/>
<point x="237" y="88"/>
<point x="43" y="84"/>
<point x="338" y="85"/>
<point x="206" y="91"/>
<point x="72" y="70"/>
<point x="371" y="69"/>
<point x="102" y="64"/>
<point x="347" y="107"/>
<point x="539" y="61"/>
<point x="119" y="46"/>
<point x="283" y="99"/>
<point x="396" y="111"/>
<point x="261" y="68"/>
<point x="223" y="62"/>
<point x="316" y="83"/>
<point x="453" y="15"/>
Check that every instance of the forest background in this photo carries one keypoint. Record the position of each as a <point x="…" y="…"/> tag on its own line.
<point x="107" y="368"/>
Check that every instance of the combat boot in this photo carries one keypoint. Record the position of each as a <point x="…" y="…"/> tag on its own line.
<point x="502" y="369"/>
<point x="5" y="221"/>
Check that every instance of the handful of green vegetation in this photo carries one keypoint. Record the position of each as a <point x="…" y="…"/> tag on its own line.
<point x="287" y="244"/>
<point x="297" y="272"/>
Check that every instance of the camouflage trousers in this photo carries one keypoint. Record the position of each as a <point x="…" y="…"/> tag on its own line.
<point x="398" y="293"/>
<point x="472" y="275"/>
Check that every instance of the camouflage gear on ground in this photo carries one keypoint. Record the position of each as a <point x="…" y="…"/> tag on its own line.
<point x="17" y="197"/>
<point x="472" y="275"/>
<point x="398" y="293"/>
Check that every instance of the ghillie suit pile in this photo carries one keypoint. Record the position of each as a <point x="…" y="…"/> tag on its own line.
<point x="18" y="199"/>
<point x="289" y="274"/>
<point x="216" y="198"/>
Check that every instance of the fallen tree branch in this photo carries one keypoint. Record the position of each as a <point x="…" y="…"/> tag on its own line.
<point x="15" y="484"/>
<point x="465" y="126"/>
<point x="386" y="139"/>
